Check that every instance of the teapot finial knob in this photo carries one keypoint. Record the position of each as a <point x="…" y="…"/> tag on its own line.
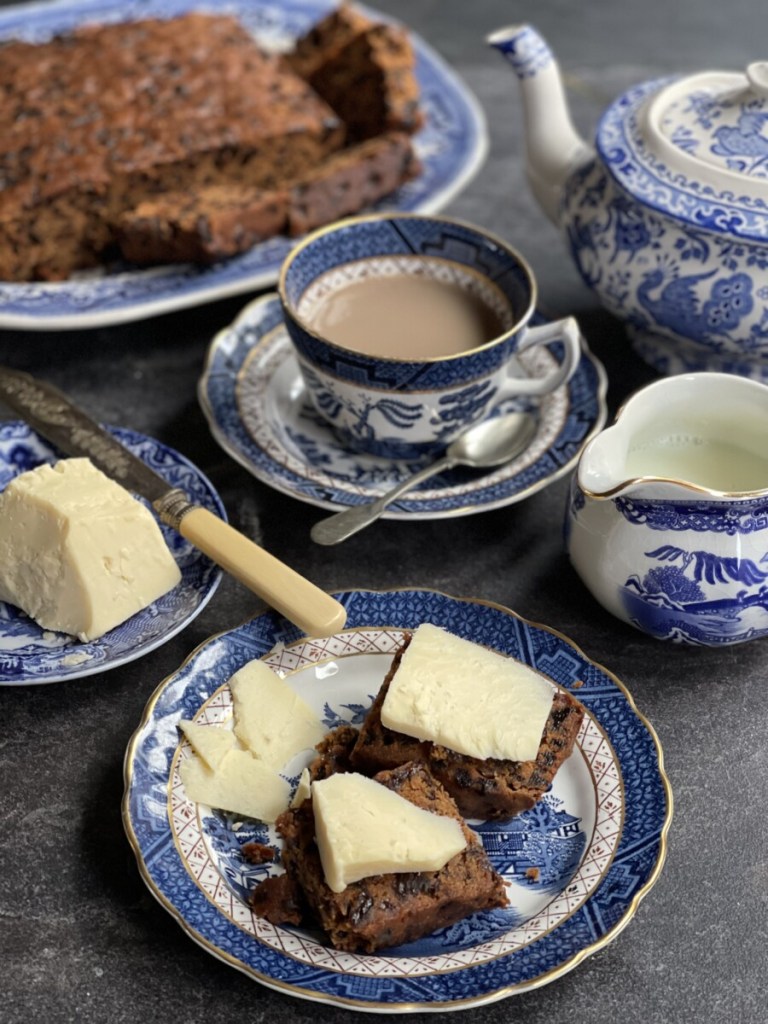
<point x="757" y="73"/>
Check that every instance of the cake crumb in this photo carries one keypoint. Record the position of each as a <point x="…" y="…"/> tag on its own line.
<point x="258" y="853"/>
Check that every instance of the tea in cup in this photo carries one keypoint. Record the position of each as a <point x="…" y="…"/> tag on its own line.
<point x="408" y="329"/>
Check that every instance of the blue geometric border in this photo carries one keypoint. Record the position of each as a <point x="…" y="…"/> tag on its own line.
<point x="231" y="348"/>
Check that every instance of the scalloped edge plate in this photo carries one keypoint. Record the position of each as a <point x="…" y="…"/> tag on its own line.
<point x="175" y="842"/>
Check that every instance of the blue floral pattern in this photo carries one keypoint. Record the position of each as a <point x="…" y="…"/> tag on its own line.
<point x="693" y="298"/>
<point x="620" y="745"/>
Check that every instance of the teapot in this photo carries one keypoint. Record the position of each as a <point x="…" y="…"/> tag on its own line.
<point x="666" y="216"/>
<point x="667" y="521"/>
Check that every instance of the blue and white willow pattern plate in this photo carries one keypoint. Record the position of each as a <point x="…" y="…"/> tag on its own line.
<point x="252" y="394"/>
<point x="576" y="866"/>
<point x="451" y="146"/>
<point x="30" y="654"/>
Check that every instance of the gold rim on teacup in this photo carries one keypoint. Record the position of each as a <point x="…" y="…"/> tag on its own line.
<point x="519" y="322"/>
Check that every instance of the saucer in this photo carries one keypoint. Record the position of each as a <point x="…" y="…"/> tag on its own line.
<point x="252" y="394"/>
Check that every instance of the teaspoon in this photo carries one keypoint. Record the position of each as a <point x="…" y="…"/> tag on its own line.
<point x="489" y="443"/>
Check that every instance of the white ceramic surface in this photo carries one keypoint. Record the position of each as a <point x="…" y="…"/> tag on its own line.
<point x="667" y="216"/>
<point x="597" y="837"/>
<point x="29" y="654"/>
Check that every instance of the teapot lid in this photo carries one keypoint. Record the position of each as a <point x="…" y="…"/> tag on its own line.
<point x="695" y="148"/>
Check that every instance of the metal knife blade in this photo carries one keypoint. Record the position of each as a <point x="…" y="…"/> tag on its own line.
<point x="54" y="416"/>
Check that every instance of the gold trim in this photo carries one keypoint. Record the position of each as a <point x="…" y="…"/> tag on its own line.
<point x="268" y="981"/>
<point x="639" y="481"/>
<point x="520" y="321"/>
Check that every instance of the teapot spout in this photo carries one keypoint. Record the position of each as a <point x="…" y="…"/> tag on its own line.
<point x="554" y="149"/>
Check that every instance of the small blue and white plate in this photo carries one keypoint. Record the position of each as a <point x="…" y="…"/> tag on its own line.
<point x="451" y="146"/>
<point x="30" y="654"/>
<point x="254" y="399"/>
<point x="576" y="866"/>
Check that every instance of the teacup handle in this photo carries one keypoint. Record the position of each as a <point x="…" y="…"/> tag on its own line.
<point x="565" y="331"/>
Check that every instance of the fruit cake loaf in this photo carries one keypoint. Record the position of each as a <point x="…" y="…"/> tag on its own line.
<point x="334" y="752"/>
<point x="386" y="909"/>
<point x="364" y="70"/>
<point x="96" y="121"/>
<point x="222" y="220"/>
<point x="351" y="180"/>
<point x="200" y="227"/>
<point x="486" y="789"/>
<point x="326" y="39"/>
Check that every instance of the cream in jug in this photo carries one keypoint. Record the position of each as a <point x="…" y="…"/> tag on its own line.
<point x="668" y="512"/>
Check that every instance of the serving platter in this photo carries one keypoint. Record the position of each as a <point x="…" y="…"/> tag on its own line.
<point x="576" y="866"/>
<point x="30" y="654"/>
<point x="451" y="147"/>
<point x="257" y="409"/>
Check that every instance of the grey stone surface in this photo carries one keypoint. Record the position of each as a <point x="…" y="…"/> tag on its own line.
<point x="82" y="939"/>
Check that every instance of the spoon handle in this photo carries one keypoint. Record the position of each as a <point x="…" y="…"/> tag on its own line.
<point x="351" y="520"/>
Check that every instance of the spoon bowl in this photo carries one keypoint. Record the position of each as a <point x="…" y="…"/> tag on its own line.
<point x="489" y="443"/>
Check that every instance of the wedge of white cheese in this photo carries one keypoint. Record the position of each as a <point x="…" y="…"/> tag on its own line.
<point x="78" y="553"/>
<point x="365" y="829"/>
<point x="456" y="693"/>
<point x="240" y="783"/>
<point x="271" y="720"/>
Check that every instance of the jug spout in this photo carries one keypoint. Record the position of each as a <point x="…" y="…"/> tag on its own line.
<point x="602" y="465"/>
<point x="554" y="149"/>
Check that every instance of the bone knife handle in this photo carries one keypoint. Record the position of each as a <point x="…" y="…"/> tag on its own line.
<point x="300" y="601"/>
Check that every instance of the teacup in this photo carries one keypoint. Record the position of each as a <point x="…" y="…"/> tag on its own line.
<point x="408" y="329"/>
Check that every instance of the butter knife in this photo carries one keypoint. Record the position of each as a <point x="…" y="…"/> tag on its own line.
<point x="52" y="415"/>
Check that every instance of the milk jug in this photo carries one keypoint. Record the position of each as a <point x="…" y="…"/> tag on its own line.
<point x="667" y="520"/>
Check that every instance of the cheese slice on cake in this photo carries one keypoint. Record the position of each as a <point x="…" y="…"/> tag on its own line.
<point x="460" y="695"/>
<point x="365" y="829"/>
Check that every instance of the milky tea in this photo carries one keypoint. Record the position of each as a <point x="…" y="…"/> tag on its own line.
<point x="405" y="316"/>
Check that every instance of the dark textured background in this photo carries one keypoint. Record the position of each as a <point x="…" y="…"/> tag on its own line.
<point x="81" y="939"/>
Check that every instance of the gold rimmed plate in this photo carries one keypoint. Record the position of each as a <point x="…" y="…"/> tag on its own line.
<point x="576" y="866"/>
